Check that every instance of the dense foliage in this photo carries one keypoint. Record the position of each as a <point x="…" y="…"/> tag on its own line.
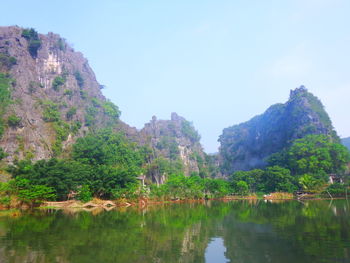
<point x="34" y="42"/>
<point x="5" y="98"/>
<point x="306" y="165"/>
<point x="101" y="164"/>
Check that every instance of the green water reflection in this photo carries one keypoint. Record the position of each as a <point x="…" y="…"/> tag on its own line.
<point x="313" y="231"/>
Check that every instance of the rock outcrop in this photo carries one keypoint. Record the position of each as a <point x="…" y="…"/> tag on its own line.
<point x="55" y="97"/>
<point x="247" y="145"/>
<point x="176" y="140"/>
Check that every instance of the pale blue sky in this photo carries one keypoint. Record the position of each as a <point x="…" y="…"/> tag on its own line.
<point x="217" y="63"/>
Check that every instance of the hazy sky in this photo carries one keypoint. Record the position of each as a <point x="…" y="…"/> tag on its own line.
<point x="217" y="63"/>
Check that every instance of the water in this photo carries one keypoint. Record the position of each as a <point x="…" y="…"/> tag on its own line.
<point x="236" y="231"/>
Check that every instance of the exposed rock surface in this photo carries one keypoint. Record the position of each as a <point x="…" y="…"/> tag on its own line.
<point x="33" y="92"/>
<point x="174" y="139"/>
<point x="247" y="145"/>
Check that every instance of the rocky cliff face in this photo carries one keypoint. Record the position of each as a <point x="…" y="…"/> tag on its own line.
<point x="247" y="145"/>
<point x="55" y="97"/>
<point x="176" y="140"/>
<point x="51" y="97"/>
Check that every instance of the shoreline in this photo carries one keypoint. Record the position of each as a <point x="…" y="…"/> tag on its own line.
<point x="144" y="202"/>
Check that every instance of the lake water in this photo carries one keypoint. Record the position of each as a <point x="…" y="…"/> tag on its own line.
<point x="212" y="232"/>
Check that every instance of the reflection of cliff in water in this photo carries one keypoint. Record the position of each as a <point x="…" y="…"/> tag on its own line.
<point x="315" y="231"/>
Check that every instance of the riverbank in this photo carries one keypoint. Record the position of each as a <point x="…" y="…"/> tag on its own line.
<point x="142" y="202"/>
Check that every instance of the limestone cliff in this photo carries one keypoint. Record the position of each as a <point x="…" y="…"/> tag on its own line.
<point x="54" y="95"/>
<point x="247" y="145"/>
<point x="176" y="140"/>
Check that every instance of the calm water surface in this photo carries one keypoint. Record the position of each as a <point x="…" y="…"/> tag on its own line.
<point x="236" y="231"/>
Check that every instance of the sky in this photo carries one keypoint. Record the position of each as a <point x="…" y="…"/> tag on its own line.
<point x="217" y="63"/>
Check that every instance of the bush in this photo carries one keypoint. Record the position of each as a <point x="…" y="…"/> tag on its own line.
<point x="51" y="113"/>
<point x="3" y="154"/>
<point x="336" y="189"/>
<point x="6" y="61"/>
<point x="189" y="131"/>
<point x="58" y="82"/>
<point x="111" y="110"/>
<point x="242" y="188"/>
<point x="31" y="193"/>
<point x="13" y="120"/>
<point x="71" y="112"/>
<point x="84" y="194"/>
<point x="79" y="79"/>
<point x="34" y="42"/>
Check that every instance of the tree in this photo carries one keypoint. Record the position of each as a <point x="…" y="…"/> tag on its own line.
<point x="242" y="188"/>
<point x="278" y="179"/>
<point x="63" y="176"/>
<point x="312" y="158"/>
<point x="312" y="154"/>
<point x="33" y="194"/>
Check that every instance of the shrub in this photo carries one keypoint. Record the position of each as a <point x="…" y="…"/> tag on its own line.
<point x="61" y="45"/>
<point x="6" y="61"/>
<point x="34" y="42"/>
<point x="71" y="112"/>
<point x="336" y="189"/>
<point x="13" y="120"/>
<point x="58" y="82"/>
<point x="51" y="113"/>
<point x="79" y="79"/>
<point x="84" y="194"/>
<point x="111" y="110"/>
<point x="3" y="154"/>
<point x="83" y="94"/>
<point x="68" y="93"/>
<point x="188" y="130"/>
<point x="242" y="188"/>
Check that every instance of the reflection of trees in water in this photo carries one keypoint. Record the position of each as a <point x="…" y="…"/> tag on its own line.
<point x="176" y="233"/>
<point x="252" y="232"/>
<point x="288" y="232"/>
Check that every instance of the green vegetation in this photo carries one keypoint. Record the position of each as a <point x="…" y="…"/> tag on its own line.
<point x="58" y="82"/>
<point x="14" y="120"/>
<point x="305" y="165"/>
<point x="101" y="164"/>
<point x="90" y="115"/>
<point x="79" y="79"/>
<point x="193" y="187"/>
<point x="61" y="128"/>
<point x="274" y="130"/>
<point x="170" y="145"/>
<point x="71" y="112"/>
<point x="83" y="94"/>
<point x="24" y="191"/>
<point x="61" y="44"/>
<point x="50" y="112"/>
<point x="5" y="98"/>
<point x="312" y="159"/>
<point x="7" y="62"/>
<point x="84" y="194"/>
<point x="32" y="87"/>
<point x="111" y="110"/>
<point x="189" y="131"/>
<point x="34" y="42"/>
